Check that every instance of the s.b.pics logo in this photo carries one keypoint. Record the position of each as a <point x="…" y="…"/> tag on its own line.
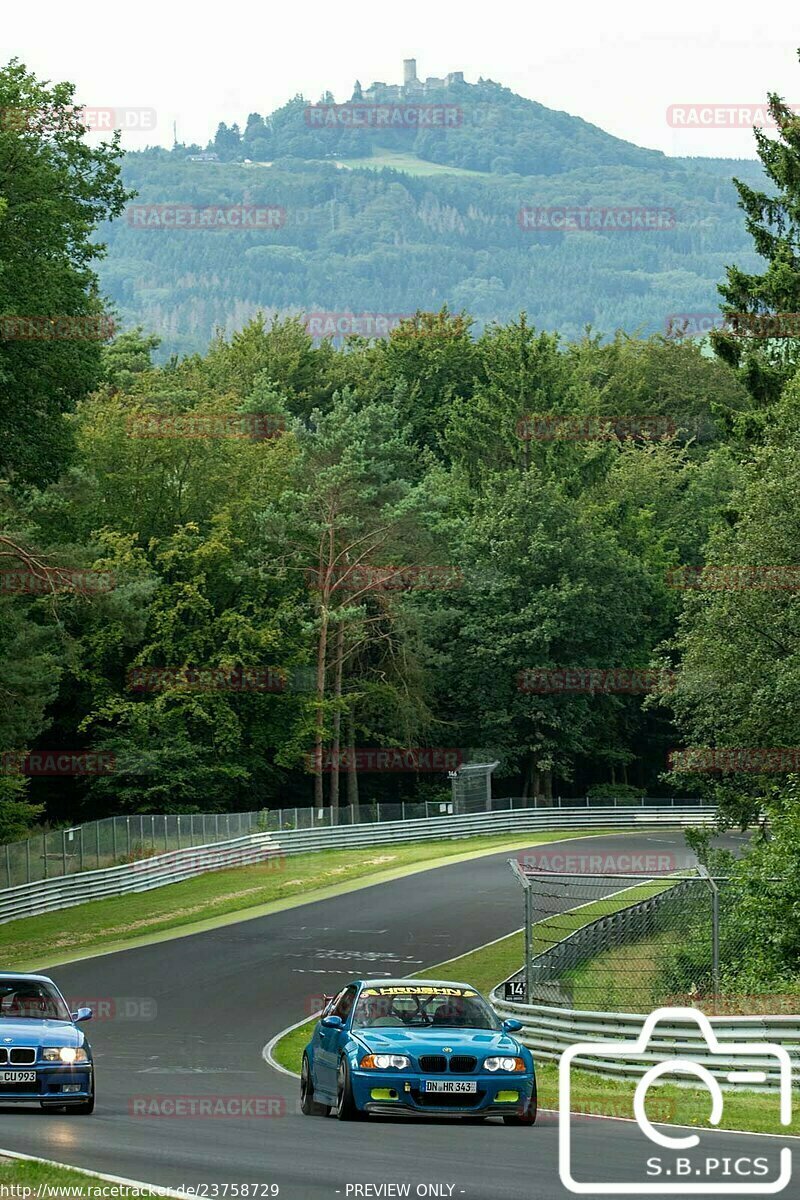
<point x="686" y="1163"/>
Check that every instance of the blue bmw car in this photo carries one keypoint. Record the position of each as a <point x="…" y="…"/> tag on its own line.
<point x="416" y="1045"/>
<point x="44" y="1058"/>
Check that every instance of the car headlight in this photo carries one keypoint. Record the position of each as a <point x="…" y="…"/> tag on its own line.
<point x="386" y="1062"/>
<point x="504" y="1064"/>
<point x="64" y="1054"/>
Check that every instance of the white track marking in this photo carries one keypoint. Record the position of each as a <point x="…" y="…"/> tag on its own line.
<point x="118" y="1179"/>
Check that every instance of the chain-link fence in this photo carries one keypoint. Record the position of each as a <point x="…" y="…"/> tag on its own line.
<point x="632" y="941"/>
<point x="117" y="840"/>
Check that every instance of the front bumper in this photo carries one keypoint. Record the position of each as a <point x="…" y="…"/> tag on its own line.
<point x="55" y="1084"/>
<point x="392" y="1091"/>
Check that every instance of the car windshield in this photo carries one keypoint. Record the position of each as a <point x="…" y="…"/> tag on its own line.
<point x="404" y="1006"/>
<point x="30" y="1000"/>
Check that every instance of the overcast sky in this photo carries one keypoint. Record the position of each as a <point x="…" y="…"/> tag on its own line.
<point x="620" y="65"/>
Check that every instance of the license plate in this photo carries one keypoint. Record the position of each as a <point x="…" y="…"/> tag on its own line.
<point x="17" y="1077"/>
<point x="451" y="1085"/>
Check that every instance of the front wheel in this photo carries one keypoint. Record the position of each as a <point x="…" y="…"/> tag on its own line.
<point x="346" y="1109"/>
<point x="529" y="1116"/>
<point x="309" y="1107"/>
<point x="84" y="1109"/>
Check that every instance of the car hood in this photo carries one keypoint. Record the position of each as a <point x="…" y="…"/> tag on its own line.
<point x="432" y="1041"/>
<point x="39" y="1033"/>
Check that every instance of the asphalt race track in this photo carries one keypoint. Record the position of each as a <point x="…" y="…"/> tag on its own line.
<point x="204" y="1006"/>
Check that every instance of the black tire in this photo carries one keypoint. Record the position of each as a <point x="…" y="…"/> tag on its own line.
<point x="309" y="1107"/>
<point x="529" y="1116"/>
<point x="346" y="1109"/>
<point x="84" y="1109"/>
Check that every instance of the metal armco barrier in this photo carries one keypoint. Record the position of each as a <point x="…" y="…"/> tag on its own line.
<point x="49" y="895"/>
<point x="65" y="891"/>
<point x="550" y="1031"/>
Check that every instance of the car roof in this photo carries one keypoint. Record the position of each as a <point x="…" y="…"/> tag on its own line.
<point x="24" y="975"/>
<point x="383" y="982"/>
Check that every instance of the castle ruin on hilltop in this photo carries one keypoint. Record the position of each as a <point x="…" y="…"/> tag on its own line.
<point x="411" y="87"/>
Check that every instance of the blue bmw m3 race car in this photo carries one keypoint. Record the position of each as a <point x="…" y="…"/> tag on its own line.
<point x="44" y="1058"/>
<point x="416" y="1045"/>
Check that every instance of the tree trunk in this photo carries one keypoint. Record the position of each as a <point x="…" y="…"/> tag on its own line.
<point x="352" y="774"/>
<point x="322" y="650"/>
<point x="337" y="723"/>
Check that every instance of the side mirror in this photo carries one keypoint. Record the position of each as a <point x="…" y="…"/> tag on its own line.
<point x="83" y="1014"/>
<point x="512" y="1025"/>
<point x="333" y="1022"/>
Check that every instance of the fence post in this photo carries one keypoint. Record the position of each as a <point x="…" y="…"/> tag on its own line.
<point x="705" y="874"/>
<point x="8" y="865"/>
<point x="28" y="859"/>
<point x="128" y="825"/>
<point x="81" y="850"/>
<point x="113" y="840"/>
<point x="64" y="851"/>
<point x="97" y="830"/>
<point x="715" y="943"/>
<point x="528" y="946"/>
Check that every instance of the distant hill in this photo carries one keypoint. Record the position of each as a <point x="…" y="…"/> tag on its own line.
<point x="487" y="128"/>
<point x="391" y="220"/>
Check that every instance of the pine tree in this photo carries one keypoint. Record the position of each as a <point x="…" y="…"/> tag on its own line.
<point x="762" y="333"/>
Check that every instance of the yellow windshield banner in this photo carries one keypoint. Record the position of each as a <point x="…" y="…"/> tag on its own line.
<point x="422" y="990"/>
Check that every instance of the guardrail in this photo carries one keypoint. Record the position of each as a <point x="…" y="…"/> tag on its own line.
<point x="50" y="853"/>
<point x="549" y="1031"/>
<point x="67" y="890"/>
<point x="49" y="895"/>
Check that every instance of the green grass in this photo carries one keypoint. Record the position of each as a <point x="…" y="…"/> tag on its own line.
<point x="222" y="897"/>
<point x="18" y="1174"/>
<point x="409" y="163"/>
<point x="591" y="1094"/>
<point x="625" y="978"/>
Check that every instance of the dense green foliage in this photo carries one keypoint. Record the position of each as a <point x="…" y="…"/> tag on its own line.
<point x="234" y="554"/>
<point x="54" y="189"/>
<point x="361" y="236"/>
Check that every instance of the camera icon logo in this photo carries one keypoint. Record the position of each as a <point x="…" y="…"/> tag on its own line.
<point x="684" y="1176"/>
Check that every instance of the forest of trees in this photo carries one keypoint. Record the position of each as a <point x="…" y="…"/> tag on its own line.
<point x="369" y="239"/>
<point x="387" y="530"/>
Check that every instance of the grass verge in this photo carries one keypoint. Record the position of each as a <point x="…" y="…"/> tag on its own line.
<point x="224" y="897"/>
<point x="592" y="1095"/>
<point x="25" y="1180"/>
